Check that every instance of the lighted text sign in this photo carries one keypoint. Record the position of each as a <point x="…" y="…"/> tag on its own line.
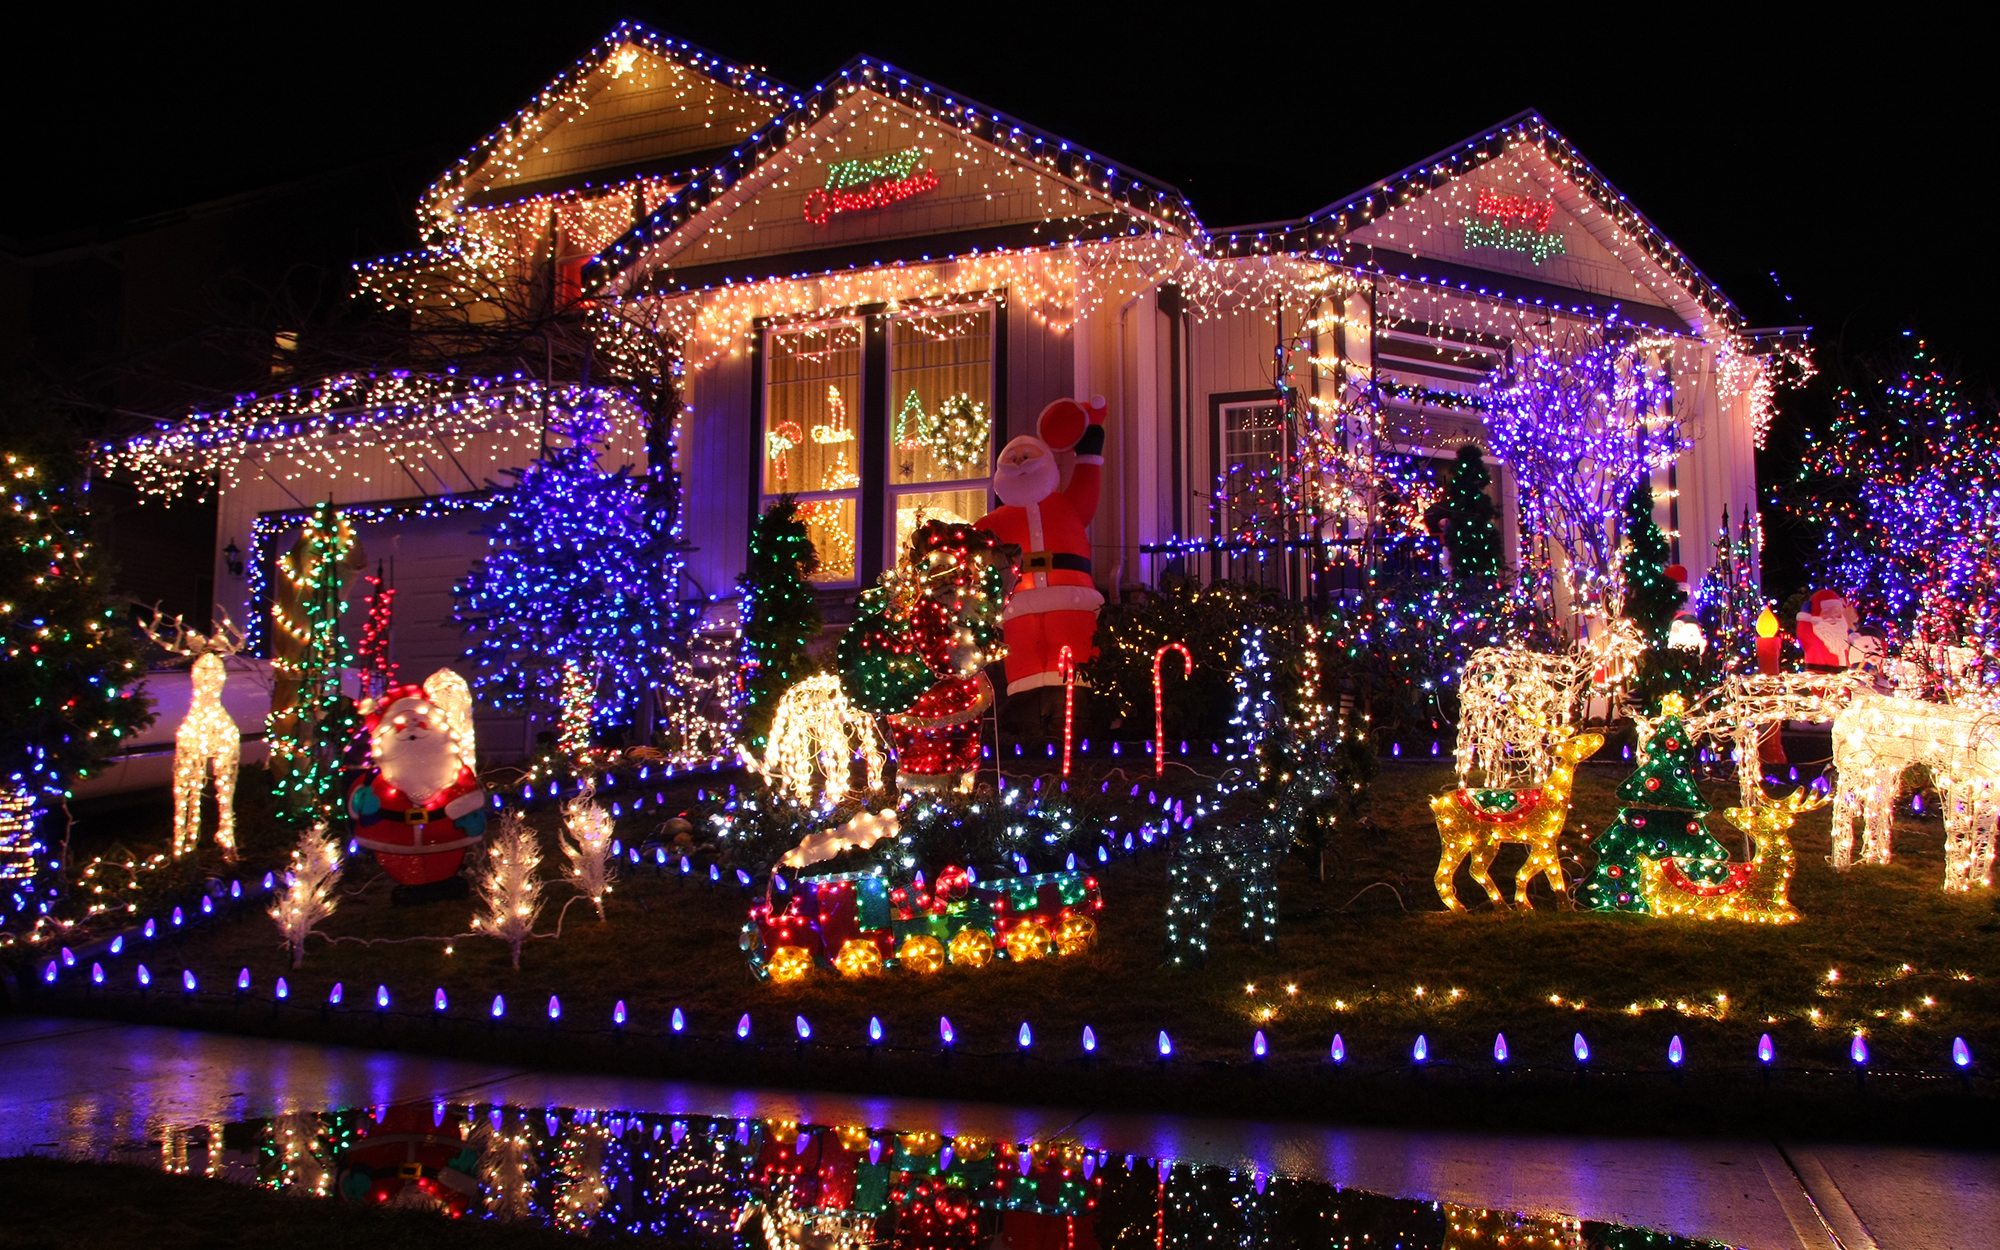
<point x="1514" y="223"/>
<point x="877" y="183"/>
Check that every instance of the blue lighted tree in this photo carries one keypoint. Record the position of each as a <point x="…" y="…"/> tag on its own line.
<point x="582" y="574"/>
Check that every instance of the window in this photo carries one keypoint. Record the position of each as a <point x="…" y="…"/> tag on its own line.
<point x="941" y="417"/>
<point x="1252" y="461"/>
<point x="812" y="436"/>
<point x="846" y="423"/>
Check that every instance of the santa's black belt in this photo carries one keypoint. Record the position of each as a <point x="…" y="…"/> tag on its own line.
<point x="1050" y="561"/>
<point x="418" y="816"/>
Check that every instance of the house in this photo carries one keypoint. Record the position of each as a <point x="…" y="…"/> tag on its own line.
<point x="854" y="293"/>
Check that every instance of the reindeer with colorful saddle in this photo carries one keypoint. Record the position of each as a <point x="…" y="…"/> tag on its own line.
<point x="1474" y="824"/>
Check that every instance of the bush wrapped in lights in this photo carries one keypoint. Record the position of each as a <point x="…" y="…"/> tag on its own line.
<point x="915" y="655"/>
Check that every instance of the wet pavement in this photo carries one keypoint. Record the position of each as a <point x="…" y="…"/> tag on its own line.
<point x="137" y="1093"/>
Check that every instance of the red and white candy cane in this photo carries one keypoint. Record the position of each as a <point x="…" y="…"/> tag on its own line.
<point x="1067" y="666"/>
<point x="1159" y="701"/>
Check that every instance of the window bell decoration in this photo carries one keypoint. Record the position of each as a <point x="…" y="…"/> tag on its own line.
<point x="208" y="744"/>
<point x="859" y="924"/>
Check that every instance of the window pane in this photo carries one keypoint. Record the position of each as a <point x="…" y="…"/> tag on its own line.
<point x="941" y="396"/>
<point x="830" y="525"/>
<point x="1253" y="472"/>
<point x="917" y="508"/>
<point x="812" y="410"/>
<point x="1251" y="492"/>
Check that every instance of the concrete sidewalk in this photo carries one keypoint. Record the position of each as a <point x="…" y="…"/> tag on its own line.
<point x="95" y="1089"/>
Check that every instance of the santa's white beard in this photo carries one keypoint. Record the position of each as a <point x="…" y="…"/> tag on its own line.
<point x="1029" y="482"/>
<point x="422" y="766"/>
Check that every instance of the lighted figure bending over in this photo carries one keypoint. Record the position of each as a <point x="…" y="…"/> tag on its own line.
<point x="420" y="807"/>
<point x="1055" y="602"/>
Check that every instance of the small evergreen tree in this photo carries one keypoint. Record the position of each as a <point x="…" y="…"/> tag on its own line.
<point x="68" y="669"/>
<point x="1466" y="521"/>
<point x="1651" y="599"/>
<point x="780" y="616"/>
<point x="1661" y="816"/>
<point x="582" y="576"/>
<point x="311" y="724"/>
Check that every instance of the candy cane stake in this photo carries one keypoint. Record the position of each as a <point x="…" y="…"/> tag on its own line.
<point x="1159" y="702"/>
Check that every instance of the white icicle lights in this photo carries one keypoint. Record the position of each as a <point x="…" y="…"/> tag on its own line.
<point x="587" y="842"/>
<point x="509" y="891"/>
<point x="308" y="898"/>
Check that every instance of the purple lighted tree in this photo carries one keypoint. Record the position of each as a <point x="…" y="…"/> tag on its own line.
<point x="1583" y="423"/>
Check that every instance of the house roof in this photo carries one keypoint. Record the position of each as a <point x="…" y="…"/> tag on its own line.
<point x="1325" y="232"/>
<point x="554" y="101"/>
<point x="1144" y="195"/>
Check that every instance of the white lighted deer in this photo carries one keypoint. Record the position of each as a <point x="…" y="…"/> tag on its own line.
<point x="1877" y="737"/>
<point x="208" y="743"/>
<point x="1517" y="707"/>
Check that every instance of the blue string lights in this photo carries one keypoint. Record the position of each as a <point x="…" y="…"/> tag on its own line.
<point x="580" y="590"/>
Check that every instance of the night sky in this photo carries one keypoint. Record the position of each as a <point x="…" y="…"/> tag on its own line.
<point x="1849" y="160"/>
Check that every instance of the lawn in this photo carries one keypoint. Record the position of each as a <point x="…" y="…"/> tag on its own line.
<point x="1368" y="953"/>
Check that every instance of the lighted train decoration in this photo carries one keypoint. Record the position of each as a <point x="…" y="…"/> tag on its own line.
<point x="858" y="924"/>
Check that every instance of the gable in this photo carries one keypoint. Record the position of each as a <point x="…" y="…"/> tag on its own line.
<point x="1518" y="215"/>
<point x="634" y="110"/>
<point x="872" y="169"/>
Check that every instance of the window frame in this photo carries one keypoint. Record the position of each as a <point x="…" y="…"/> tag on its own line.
<point x="857" y="494"/>
<point x="1276" y="571"/>
<point x="876" y="497"/>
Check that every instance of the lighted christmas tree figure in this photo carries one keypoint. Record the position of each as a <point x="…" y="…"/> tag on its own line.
<point x="1729" y="601"/>
<point x="1660" y="816"/>
<point x="312" y="723"/>
<point x="780" y="616"/>
<point x="67" y="673"/>
<point x="582" y="577"/>
<point x="1467" y="522"/>
<point x="1651" y="600"/>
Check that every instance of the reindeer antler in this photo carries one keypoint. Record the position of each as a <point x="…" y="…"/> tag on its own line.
<point x="227" y="639"/>
<point x="179" y="643"/>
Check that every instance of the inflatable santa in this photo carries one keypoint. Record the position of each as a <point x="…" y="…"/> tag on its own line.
<point x="1055" y="601"/>
<point x="419" y="807"/>
<point x="1828" y="631"/>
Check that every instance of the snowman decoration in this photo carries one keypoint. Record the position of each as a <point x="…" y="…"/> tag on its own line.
<point x="420" y="805"/>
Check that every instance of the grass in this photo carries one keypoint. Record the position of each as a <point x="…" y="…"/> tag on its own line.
<point x="64" y="1205"/>
<point x="1367" y="953"/>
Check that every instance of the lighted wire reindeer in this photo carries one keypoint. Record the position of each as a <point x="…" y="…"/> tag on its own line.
<point x="1517" y="730"/>
<point x="208" y="743"/>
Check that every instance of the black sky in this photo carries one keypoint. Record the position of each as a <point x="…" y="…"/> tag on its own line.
<point x="1849" y="159"/>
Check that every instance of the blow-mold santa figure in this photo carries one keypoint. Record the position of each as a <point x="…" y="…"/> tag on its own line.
<point x="1054" y="603"/>
<point x="420" y="806"/>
